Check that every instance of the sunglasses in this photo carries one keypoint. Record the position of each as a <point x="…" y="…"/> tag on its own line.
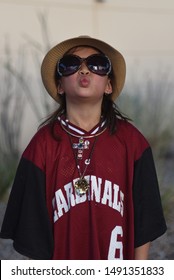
<point x="96" y="63"/>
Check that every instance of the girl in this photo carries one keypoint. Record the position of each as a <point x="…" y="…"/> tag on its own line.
<point x="86" y="185"/>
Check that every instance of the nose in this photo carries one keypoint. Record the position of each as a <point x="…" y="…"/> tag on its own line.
<point x="83" y="69"/>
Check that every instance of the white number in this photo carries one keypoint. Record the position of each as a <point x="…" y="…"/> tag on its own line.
<point x="116" y="247"/>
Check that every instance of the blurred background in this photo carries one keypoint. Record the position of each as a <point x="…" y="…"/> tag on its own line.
<point x="141" y="30"/>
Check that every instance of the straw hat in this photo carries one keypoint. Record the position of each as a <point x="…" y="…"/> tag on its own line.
<point x="48" y="67"/>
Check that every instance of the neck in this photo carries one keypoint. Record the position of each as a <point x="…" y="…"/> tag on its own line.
<point x="84" y="117"/>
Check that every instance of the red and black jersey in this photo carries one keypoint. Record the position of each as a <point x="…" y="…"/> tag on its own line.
<point x="122" y="210"/>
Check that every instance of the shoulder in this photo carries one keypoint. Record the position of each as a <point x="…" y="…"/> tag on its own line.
<point x="46" y="133"/>
<point x="131" y="137"/>
<point x="125" y="128"/>
<point x="42" y="140"/>
<point x="40" y="137"/>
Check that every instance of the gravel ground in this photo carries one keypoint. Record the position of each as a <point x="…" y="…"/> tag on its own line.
<point x="161" y="248"/>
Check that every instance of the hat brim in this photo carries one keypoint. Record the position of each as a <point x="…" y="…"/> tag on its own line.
<point x="48" y="67"/>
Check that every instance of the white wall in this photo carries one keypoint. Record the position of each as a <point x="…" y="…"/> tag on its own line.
<point x="141" y="30"/>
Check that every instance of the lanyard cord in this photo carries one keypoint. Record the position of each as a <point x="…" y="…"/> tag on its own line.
<point x="87" y="161"/>
<point x="81" y="185"/>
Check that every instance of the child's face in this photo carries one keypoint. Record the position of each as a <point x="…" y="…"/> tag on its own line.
<point x="84" y="86"/>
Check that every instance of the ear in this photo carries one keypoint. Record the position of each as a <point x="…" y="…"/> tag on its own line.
<point x="108" y="88"/>
<point x="60" y="89"/>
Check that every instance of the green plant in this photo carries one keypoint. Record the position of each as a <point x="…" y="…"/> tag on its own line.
<point x="7" y="172"/>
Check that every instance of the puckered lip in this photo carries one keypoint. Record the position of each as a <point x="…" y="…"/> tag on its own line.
<point x="84" y="81"/>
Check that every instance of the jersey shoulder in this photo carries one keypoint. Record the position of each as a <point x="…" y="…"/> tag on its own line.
<point x="42" y="143"/>
<point x="132" y="138"/>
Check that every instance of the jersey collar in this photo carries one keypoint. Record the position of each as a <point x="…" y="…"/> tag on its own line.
<point x="79" y="131"/>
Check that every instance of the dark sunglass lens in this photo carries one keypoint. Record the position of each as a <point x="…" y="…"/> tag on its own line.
<point x="99" y="64"/>
<point x="68" y="65"/>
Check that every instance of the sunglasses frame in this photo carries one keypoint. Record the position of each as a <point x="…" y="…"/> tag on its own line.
<point x="81" y="60"/>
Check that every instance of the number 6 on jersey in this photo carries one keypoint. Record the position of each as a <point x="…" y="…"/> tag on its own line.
<point x="116" y="247"/>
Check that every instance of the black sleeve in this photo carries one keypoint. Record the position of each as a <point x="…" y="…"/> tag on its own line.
<point x="148" y="213"/>
<point x="26" y="220"/>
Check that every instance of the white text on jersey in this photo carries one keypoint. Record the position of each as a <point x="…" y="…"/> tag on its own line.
<point x="104" y="192"/>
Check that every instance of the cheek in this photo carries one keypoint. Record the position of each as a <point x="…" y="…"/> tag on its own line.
<point x="101" y="83"/>
<point x="67" y="82"/>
